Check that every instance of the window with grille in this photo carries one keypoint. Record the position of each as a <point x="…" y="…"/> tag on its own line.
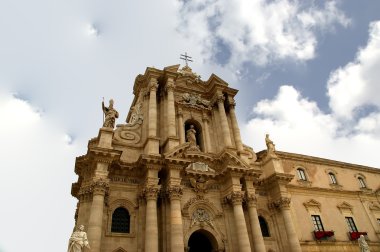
<point x="301" y="174"/>
<point x="317" y="223"/>
<point x="361" y="182"/>
<point x="264" y="227"/>
<point x="333" y="178"/>
<point x="120" y="220"/>
<point x="351" y="224"/>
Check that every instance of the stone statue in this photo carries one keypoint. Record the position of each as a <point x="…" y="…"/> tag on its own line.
<point x="190" y="136"/>
<point x="363" y="244"/>
<point x="110" y="115"/>
<point x="78" y="240"/>
<point x="270" y="144"/>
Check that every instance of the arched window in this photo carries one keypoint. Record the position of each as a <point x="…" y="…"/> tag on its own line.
<point x="120" y="220"/>
<point x="332" y="178"/>
<point x="264" y="227"/>
<point x="301" y="174"/>
<point x="362" y="182"/>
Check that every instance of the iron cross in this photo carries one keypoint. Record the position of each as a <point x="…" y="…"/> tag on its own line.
<point x="186" y="58"/>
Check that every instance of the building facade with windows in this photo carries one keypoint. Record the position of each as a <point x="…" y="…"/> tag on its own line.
<point x="177" y="177"/>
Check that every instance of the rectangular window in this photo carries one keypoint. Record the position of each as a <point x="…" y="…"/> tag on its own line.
<point x="333" y="178"/>
<point x="351" y="224"/>
<point x="301" y="174"/>
<point x="317" y="223"/>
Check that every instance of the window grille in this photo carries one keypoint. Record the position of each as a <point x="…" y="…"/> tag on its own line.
<point x="318" y="226"/>
<point x="120" y="220"/>
<point x="361" y="182"/>
<point x="301" y="174"/>
<point x="333" y="178"/>
<point x="351" y="224"/>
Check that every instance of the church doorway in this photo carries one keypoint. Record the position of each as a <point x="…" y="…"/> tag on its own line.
<point x="201" y="241"/>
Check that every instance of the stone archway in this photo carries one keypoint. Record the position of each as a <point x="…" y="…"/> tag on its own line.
<point x="202" y="241"/>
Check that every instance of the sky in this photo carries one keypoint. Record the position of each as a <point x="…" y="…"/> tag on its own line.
<point x="307" y="71"/>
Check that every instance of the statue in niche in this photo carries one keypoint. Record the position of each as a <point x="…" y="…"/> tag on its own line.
<point x="192" y="139"/>
<point x="363" y="244"/>
<point x="78" y="240"/>
<point x="270" y="145"/>
<point x="110" y="115"/>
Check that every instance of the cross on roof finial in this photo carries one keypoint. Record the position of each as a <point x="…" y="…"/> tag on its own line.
<point x="186" y="58"/>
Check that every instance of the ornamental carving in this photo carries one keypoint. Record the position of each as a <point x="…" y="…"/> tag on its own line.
<point x="201" y="184"/>
<point x="153" y="85"/>
<point x="199" y="166"/>
<point x="174" y="192"/>
<point x="151" y="192"/>
<point x="235" y="197"/>
<point x="202" y="217"/>
<point x="251" y="199"/>
<point x="100" y="186"/>
<point x="281" y="203"/>
<point x="186" y="71"/>
<point x="195" y="101"/>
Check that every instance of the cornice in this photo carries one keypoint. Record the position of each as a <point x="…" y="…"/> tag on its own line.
<point x="279" y="178"/>
<point x="321" y="161"/>
<point x="297" y="188"/>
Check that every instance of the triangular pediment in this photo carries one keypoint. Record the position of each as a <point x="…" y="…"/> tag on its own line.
<point x="231" y="160"/>
<point x="173" y="68"/>
<point x="344" y="205"/>
<point x="214" y="79"/>
<point x="120" y="249"/>
<point x="312" y="204"/>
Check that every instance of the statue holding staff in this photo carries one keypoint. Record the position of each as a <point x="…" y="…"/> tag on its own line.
<point x="110" y="115"/>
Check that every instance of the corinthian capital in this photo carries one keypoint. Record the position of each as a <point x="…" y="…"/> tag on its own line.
<point x="251" y="199"/>
<point x="153" y="85"/>
<point x="236" y="197"/>
<point x="220" y="98"/>
<point x="174" y="192"/>
<point x="100" y="186"/>
<point x="281" y="203"/>
<point x="170" y="85"/>
<point x="151" y="192"/>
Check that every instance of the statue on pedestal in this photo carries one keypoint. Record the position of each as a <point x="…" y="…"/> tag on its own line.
<point x="363" y="244"/>
<point x="78" y="240"/>
<point x="270" y="144"/>
<point x="110" y="115"/>
<point x="192" y="139"/>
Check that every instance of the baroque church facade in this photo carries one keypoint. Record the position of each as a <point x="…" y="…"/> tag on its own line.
<point x="177" y="177"/>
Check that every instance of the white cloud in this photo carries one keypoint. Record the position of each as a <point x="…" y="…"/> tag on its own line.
<point x="35" y="179"/>
<point x="356" y="85"/>
<point x="297" y="125"/>
<point x="259" y="31"/>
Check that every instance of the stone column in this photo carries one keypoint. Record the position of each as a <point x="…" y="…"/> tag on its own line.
<point x="151" y="226"/>
<point x="152" y="128"/>
<point x="235" y="127"/>
<point x="284" y="204"/>
<point x="223" y="121"/>
<point x="241" y="228"/>
<point x="170" y="108"/>
<point x="258" y="240"/>
<point x="95" y="222"/>
<point x="206" y="132"/>
<point x="176" y="239"/>
<point x="181" y="128"/>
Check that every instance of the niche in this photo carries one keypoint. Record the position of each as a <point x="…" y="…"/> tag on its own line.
<point x="198" y="132"/>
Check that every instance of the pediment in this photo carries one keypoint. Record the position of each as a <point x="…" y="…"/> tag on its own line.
<point x="173" y="68"/>
<point x="345" y="208"/>
<point x="312" y="204"/>
<point x="231" y="160"/>
<point x="344" y="205"/>
<point x="120" y="249"/>
<point x="214" y="79"/>
<point x="374" y="207"/>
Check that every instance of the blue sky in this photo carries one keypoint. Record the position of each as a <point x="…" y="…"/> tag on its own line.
<point x="307" y="72"/>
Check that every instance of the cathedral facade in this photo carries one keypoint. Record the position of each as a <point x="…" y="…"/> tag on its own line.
<point x="177" y="177"/>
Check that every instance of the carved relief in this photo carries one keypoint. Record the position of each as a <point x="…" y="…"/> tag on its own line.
<point x="202" y="217"/>
<point x="130" y="133"/>
<point x="194" y="101"/>
<point x="201" y="184"/>
<point x="174" y="192"/>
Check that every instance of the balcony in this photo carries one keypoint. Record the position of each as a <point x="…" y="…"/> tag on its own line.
<point x="323" y="235"/>
<point x="355" y="235"/>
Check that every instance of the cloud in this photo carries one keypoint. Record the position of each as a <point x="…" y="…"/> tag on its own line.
<point x="296" y="124"/>
<point x="258" y="31"/>
<point x="35" y="178"/>
<point x="356" y="86"/>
